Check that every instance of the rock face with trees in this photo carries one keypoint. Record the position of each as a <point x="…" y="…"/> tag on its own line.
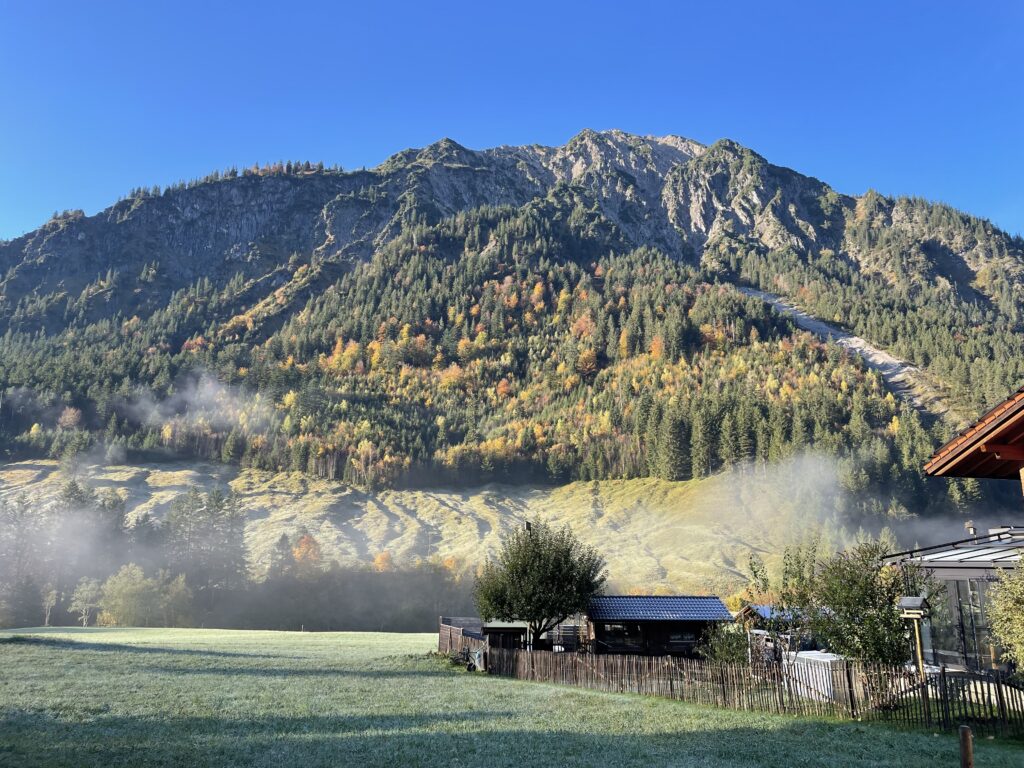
<point x="541" y="314"/>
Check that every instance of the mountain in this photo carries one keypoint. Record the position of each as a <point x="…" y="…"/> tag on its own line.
<point x="540" y="314"/>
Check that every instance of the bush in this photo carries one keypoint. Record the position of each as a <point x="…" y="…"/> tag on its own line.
<point x="1006" y="614"/>
<point x="726" y="643"/>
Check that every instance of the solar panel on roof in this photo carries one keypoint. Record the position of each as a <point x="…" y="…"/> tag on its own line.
<point x="658" y="608"/>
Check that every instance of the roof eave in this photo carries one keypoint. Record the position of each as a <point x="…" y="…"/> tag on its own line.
<point x="957" y="449"/>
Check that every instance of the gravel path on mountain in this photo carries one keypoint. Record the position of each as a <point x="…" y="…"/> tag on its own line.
<point x="902" y="378"/>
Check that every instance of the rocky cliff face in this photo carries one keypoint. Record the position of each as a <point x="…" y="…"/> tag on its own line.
<point x="667" y="192"/>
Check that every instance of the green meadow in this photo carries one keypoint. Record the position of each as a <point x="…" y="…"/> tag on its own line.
<point x="170" y="697"/>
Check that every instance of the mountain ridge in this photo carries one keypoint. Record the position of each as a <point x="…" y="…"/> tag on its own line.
<point x="702" y="196"/>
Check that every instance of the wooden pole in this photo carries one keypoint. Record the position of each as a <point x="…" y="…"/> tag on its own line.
<point x="919" y="647"/>
<point x="966" y="747"/>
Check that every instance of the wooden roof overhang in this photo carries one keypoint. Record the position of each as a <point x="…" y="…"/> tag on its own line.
<point x="993" y="447"/>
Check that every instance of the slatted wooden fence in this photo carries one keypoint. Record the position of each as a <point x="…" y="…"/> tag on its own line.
<point x="990" y="703"/>
<point x="453" y="639"/>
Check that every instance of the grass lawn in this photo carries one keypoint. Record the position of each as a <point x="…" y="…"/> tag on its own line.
<point x="127" y="697"/>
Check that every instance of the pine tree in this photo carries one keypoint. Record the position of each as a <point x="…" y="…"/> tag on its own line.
<point x="673" y="447"/>
<point x="702" y="447"/>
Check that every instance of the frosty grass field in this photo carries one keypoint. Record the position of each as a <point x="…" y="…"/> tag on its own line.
<point x="167" y="697"/>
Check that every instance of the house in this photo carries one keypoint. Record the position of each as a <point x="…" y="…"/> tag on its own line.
<point x="652" y="625"/>
<point x="991" y="448"/>
<point x="958" y="629"/>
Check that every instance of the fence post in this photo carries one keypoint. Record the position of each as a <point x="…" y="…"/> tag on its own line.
<point x="944" y="696"/>
<point x="966" y="747"/>
<point x="1000" y="704"/>
<point x="925" y="699"/>
<point x="849" y="688"/>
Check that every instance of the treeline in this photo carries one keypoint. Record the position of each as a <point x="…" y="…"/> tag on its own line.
<point x="78" y="560"/>
<point x="279" y="168"/>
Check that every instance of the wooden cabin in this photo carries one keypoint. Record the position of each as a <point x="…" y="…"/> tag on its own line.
<point x="652" y="625"/>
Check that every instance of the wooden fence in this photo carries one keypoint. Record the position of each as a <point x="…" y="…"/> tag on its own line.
<point x="454" y="639"/>
<point x="989" y="703"/>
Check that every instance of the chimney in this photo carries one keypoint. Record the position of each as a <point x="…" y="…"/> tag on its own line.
<point x="969" y="527"/>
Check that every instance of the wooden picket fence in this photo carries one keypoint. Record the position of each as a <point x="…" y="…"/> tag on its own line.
<point x="454" y="639"/>
<point x="989" y="703"/>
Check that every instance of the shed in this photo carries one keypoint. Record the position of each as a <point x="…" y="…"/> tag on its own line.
<point x="505" y="634"/>
<point x="652" y="625"/>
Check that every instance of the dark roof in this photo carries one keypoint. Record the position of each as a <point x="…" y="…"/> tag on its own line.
<point x="975" y="452"/>
<point x="473" y="622"/>
<point x="657" y="608"/>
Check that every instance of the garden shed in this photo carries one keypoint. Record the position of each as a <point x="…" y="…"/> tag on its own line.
<point x="652" y="625"/>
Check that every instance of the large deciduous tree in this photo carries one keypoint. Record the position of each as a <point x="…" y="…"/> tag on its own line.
<point x="542" y="576"/>
<point x="857" y="596"/>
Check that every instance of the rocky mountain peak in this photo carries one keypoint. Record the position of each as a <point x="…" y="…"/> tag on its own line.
<point x="667" y="192"/>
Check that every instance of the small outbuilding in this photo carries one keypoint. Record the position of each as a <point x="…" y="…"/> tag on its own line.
<point x="758" y="616"/>
<point x="652" y="625"/>
<point x="505" y="634"/>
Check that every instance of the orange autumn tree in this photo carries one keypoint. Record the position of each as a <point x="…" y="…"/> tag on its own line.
<point x="307" y="554"/>
<point x="383" y="562"/>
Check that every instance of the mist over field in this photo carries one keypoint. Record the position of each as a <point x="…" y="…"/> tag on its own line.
<point x="292" y="530"/>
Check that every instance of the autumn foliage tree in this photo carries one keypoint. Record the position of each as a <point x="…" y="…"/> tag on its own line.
<point x="307" y="554"/>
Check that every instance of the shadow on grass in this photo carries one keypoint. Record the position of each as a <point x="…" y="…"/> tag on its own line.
<point x="491" y="738"/>
<point x="317" y="672"/>
<point x="78" y="645"/>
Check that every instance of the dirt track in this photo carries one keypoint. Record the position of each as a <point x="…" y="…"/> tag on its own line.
<point x="898" y="375"/>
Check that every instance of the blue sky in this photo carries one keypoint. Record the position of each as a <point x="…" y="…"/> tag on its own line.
<point x="923" y="98"/>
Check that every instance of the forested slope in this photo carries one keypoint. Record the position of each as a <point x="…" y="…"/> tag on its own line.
<point x="518" y="314"/>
